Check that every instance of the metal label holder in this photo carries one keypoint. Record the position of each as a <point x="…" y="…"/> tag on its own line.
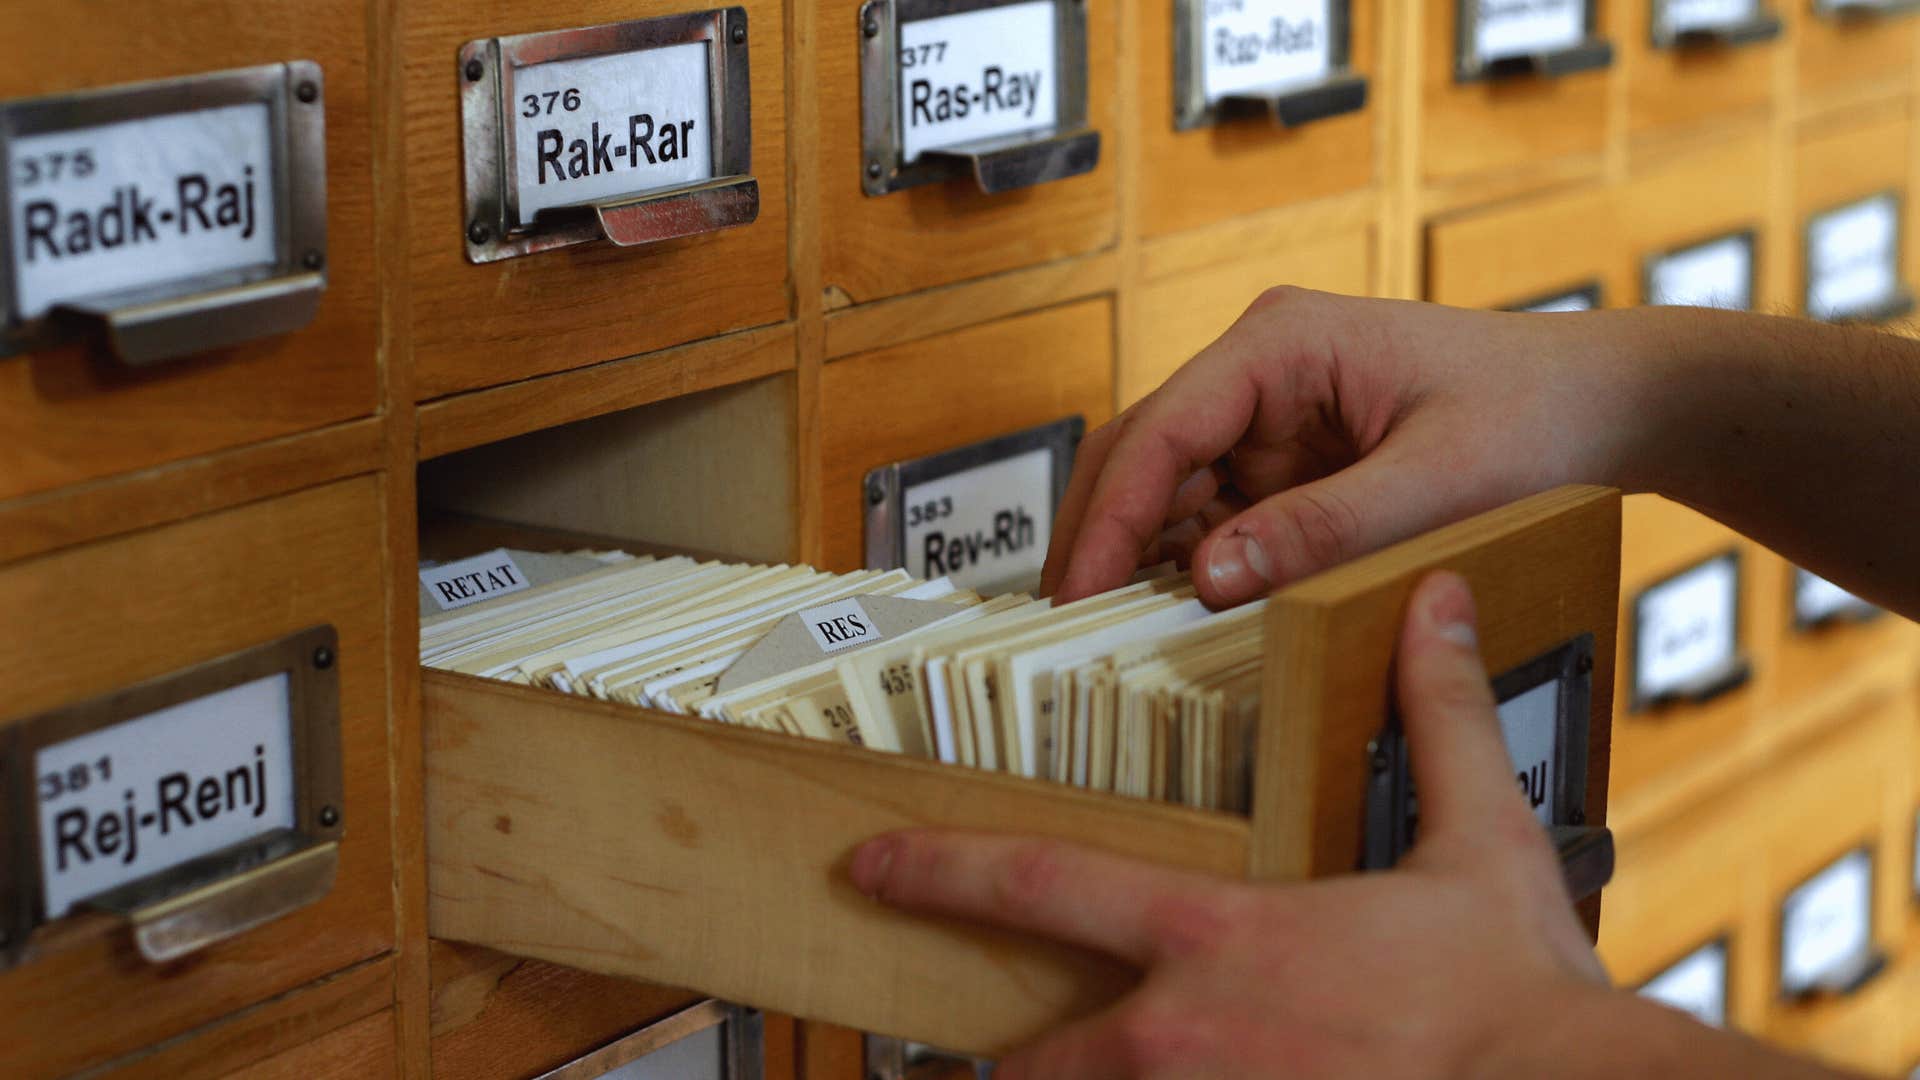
<point x="742" y="1043"/>
<point x="1852" y="614"/>
<point x="1722" y="941"/>
<point x="1590" y="292"/>
<point x="888" y="1058"/>
<point x="1586" y="851"/>
<point x="1896" y="304"/>
<point x="886" y="486"/>
<point x="485" y="71"/>
<point x="996" y="165"/>
<point x="1589" y="54"/>
<point x="153" y="324"/>
<point x="1722" y="679"/>
<point x="1762" y="26"/>
<point x="1342" y="91"/>
<point x="1749" y="235"/>
<point x="1849" y="10"/>
<point x="1854" y="975"/>
<point x="216" y="896"/>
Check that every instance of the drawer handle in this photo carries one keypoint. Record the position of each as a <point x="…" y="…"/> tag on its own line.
<point x="1749" y="32"/>
<point x="1893" y="307"/>
<point x="171" y="928"/>
<point x="1847" y="981"/>
<point x="1586" y="56"/>
<point x="1345" y="94"/>
<point x="1586" y="857"/>
<point x="1866" y="9"/>
<point x="1723" y="680"/>
<point x="1009" y="164"/>
<point x="680" y="212"/>
<point x="144" y="332"/>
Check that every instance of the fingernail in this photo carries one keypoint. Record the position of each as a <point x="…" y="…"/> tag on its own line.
<point x="1450" y="613"/>
<point x="1238" y="567"/>
<point x="870" y="862"/>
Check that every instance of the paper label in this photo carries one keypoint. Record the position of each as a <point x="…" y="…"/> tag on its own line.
<point x="1853" y="257"/>
<point x="1530" y="721"/>
<point x="1815" y="598"/>
<point x="140" y="203"/>
<point x="1716" y="274"/>
<point x="1525" y="27"/>
<point x="1826" y="923"/>
<point x="1683" y="15"/>
<point x="840" y="625"/>
<point x="1265" y="44"/>
<point x="980" y="75"/>
<point x="1696" y="985"/>
<point x="131" y="800"/>
<point x="600" y="127"/>
<point x="1688" y="628"/>
<point x="473" y="579"/>
<point x="985" y="527"/>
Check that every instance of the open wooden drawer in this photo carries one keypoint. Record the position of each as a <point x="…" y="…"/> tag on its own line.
<point x="697" y="855"/>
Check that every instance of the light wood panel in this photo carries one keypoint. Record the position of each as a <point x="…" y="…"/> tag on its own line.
<point x="113" y="613"/>
<point x="71" y="418"/>
<point x="1839" y="61"/>
<point x="1839" y="162"/>
<point x="1687" y="89"/>
<point x="1690" y="195"/>
<point x="1526" y="251"/>
<point x="476" y="326"/>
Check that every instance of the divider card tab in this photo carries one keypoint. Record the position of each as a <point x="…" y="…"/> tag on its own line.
<point x="1265" y="44"/>
<point x="828" y="632"/>
<point x="1508" y="28"/>
<point x="980" y="75"/>
<point x="1696" y="985"/>
<point x="472" y="579"/>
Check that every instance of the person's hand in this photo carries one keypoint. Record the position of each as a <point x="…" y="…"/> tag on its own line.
<point x="1420" y="971"/>
<point x="1321" y="427"/>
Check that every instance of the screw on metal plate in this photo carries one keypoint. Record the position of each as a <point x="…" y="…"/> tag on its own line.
<point x="873" y="169"/>
<point x="307" y="92"/>
<point x="311" y="260"/>
<point x="739" y="35"/>
<point x="474" y="70"/>
<point x="1377" y="756"/>
<point x="871" y="27"/>
<point x="876" y="492"/>
<point x="323" y="658"/>
<point x="329" y="817"/>
<point x="478" y="233"/>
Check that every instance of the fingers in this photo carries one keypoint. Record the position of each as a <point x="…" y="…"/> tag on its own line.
<point x="1468" y="798"/>
<point x="1091" y="1048"/>
<point x="1088" y="460"/>
<point x="1131" y="910"/>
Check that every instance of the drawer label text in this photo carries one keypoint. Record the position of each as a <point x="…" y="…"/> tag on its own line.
<point x="984" y="527"/>
<point x="1716" y="274"/>
<point x="473" y="579"/>
<point x="1826" y="925"/>
<point x="1265" y="45"/>
<point x="979" y="75"/>
<point x="1688" y="629"/>
<point x="1853" y="258"/>
<point x="1507" y="28"/>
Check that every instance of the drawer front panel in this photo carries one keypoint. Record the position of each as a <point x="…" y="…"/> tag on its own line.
<point x="479" y="325"/>
<point x="206" y="587"/>
<point x="71" y="416"/>
<point x="1677" y="87"/>
<point x="1835" y="55"/>
<point x="1497" y="259"/>
<point x="1840" y="164"/>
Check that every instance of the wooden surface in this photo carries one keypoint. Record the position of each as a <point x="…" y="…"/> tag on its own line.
<point x="1496" y="259"/>
<point x="1706" y="191"/>
<point x="69" y="418"/>
<point x="915" y="399"/>
<point x="689" y="853"/>
<point x="205" y="587"/>
<point x="1835" y="56"/>
<point x="880" y="246"/>
<point x="363" y="1050"/>
<point x="1838" y="163"/>
<point x="476" y="326"/>
<point x="1237" y="167"/>
<point x="1692" y="88"/>
<point x="1543" y="571"/>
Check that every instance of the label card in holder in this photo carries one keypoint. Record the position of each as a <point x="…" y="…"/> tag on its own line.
<point x="980" y="514"/>
<point x="1530" y="722"/>
<point x="1262" y="44"/>
<point x="1673" y="18"/>
<point x="1696" y="985"/>
<point x="1686" y="632"/>
<point x="1853" y="259"/>
<point x="632" y="132"/>
<point x="1509" y="28"/>
<point x="1719" y="273"/>
<point x="169" y="216"/>
<point x="1826" y="925"/>
<point x="977" y="75"/>
<point x="197" y="805"/>
<point x="1817" y="602"/>
<point x="1584" y="298"/>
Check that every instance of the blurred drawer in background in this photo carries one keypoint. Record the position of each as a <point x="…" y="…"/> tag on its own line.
<point x="1692" y="224"/>
<point x="1243" y="110"/>
<point x="968" y="190"/>
<point x="1513" y="92"/>
<point x="723" y="265"/>
<point x="86" y="401"/>
<point x="1856" y="256"/>
<point x="1824" y="629"/>
<point x="1688" y="66"/>
<point x="207" y="587"/>
<point x="1529" y="252"/>
<point x="1846" y="52"/>
<point x="937" y="394"/>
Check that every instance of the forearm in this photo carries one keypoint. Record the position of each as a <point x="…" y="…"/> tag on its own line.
<point x="1802" y="435"/>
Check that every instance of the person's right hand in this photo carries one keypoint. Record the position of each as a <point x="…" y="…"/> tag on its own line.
<point x="1321" y="427"/>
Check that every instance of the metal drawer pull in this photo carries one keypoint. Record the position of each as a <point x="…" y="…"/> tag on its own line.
<point x="143" y="332"/>
<point x="1586" y="56"/>
<point x="173" y="927"/>
<point x="1343" y="94"/>
<point x="1007" y="165"/>
<point x="1586" y="858"/>
<point x="1752" y="31"/>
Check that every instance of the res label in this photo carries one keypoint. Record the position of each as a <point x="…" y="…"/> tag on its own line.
<point x="979" y="75"/>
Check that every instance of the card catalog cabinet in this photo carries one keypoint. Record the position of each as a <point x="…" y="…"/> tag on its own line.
<point x="112" y="614"/>
<point x="1838" y="163"/>
<point x="1527" y="252"/>
<point x="477" y="324"/>
<point x="1716" y="193"/>
<point x="1847" y="52"/>
<point x="72" y="411"/>
<point x="738" y="840"/>
<point x="1685" y="79"/>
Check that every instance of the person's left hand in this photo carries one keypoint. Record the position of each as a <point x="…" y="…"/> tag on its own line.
<point x="1421" y="971"/>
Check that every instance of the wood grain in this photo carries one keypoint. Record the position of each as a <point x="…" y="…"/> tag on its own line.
<point x="363" y="1050"/>
<point x="1691" y="89"/>
<point x="1833" y="56"/>
<point x="932" y="312"/>
<point x="1494" y="258"/>
<point x="70" y="417"/>
<point x="115" y="612"/>
<point x="911" y="400"/>
<point x="1837" y="163"/>
<point x="1710" y="188"/>
<point x="476" y="326"/>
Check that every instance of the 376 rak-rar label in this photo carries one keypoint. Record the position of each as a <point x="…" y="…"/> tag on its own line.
<point x="139" y="203"/>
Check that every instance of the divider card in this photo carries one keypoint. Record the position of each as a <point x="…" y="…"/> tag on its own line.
<point x="1853" y="257"/>
<point x="1686" y="630"/>
<point x="600" y="127"/>
<point x="1506" y="28"/>
<point x="1826" y="925"/>
<point x="1697" y="985"/>
<point x="979" y="75"/>
<point x="1718" y="274"/>
<point x="1265" y="45"/>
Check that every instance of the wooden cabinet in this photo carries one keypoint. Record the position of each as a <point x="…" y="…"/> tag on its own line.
<point x="1684" y="85"/>
<point x="1713" y="191"/>
<point x="206" y="587"/>
<point x="1841" y="58"/>
<point x="1842" y="161"/>
<point x="73" y="417"/>
<point x="1528" y="251"/>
